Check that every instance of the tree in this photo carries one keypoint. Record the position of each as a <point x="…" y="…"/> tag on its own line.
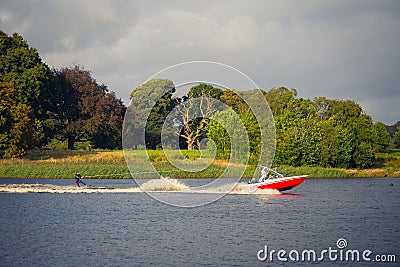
<point x="157" y="118"/>
<point x="281" y="99"/>
<point x="203" y="89"/>
<point x="381" y="137"/>
<point x="219" y="135"/>
<point x="194" y="112"/>
<point x="232" y="99"/>
<point x="329" y="143"/>
<point x="89" y="112"/>
<point x="109" y="134"/>
<point x="288" y="147"/>
<point x="324" y="132"/>
<point x="227" y="131"/>
<point x="364" y="149"/>
<point x="396" y="138"/>
<point x="310" y="139"/>
<point x="132" y="134"/>
<point x="256" y="129"/>
<point x="253" y="131"/>
<point x="345" y="149"/>
<point x="194" y="115"/>
<point x="299" y="133"/>
<point x="16" y="121"/>
<point x="150" y="105"/>
<point x="392" y="129"/>
<point x="33" y="81"/>
<point x="321" y="105"/>
<point x="344" y="112"/>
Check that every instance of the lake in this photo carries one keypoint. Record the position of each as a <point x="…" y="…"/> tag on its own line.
<point x="133" y="229"/>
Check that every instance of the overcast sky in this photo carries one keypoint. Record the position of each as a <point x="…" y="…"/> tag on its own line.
<point x="342" y="49"/>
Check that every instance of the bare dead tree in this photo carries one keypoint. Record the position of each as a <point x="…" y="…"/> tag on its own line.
<point x="195" y="114"/>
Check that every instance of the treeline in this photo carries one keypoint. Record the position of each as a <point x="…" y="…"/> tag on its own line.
<point x="324" y="132"/>
<point x="318" y="132"/>
<point x="39" y="104"/>
<point x="394" y="131"/>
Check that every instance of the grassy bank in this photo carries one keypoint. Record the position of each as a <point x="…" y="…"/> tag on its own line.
<point x="64" y="164"/>
<point x="112" y="164"/>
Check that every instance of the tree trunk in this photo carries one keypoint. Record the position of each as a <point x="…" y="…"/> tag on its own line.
<point x="71" y="143"/>
<point x="190" y="144"/>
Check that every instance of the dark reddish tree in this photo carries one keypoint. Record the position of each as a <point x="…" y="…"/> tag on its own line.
<point x="89" y="111"/>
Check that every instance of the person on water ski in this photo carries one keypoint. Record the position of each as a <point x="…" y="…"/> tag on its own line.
<point x="78" y="178"/>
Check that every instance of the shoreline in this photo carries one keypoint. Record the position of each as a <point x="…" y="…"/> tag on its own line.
<point x="63" y="164"/>
<point x="184" y="178"/>
<point x="359" y="174"/>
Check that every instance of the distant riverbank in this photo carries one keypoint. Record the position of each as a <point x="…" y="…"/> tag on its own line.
<point x="112" y="164"/>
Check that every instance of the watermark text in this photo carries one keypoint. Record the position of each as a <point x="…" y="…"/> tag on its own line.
<point x="338" y="253"/>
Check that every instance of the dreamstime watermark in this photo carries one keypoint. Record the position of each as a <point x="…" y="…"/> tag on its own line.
<point x="150" y="101"/>
<point x="338" y="253"/>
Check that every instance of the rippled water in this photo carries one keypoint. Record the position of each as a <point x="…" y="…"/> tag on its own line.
<point x="133" y="229"/>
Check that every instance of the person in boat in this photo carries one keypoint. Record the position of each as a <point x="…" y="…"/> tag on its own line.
<point x="78" y="179"/>
<point x="264" y="175"/>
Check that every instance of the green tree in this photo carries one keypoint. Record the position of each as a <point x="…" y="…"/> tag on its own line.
<point x="355" y="145"/>
<point x="229" y="135"/>
<point x="344" y="112"/>
<point x="156" y="120"/>
<point x="323" y="132"/>
<point x="392" y="129"/>
<point x="329" y="143"/>
<point x="346" y="147"/>
<point x="150" y="105"/>
<point x="396" y="138"/>
<point x="310" y="140"/>
<point x="364" y="149"/>
<point x="33" y="81"/>
<point x="288" y="146"/>
<point x="233" y="99"/>
<point x="254" y="135"/>
<point x="281" y="99"/>
<point x="218" y="134"/>
<point x="239" y="110"/>
<point x="89" y="111"/>
<point x="381" y="137"/>
<point x="298" y="130"/>
<point x="204" y="89"/>
<point x="132" y="133"/>
<point x="16" y="120"/>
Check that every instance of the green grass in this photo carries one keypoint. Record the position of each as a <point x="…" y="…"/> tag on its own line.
<point x="395" y="153"/>
<point x="149" y="164"/>
<point x="34" y="169"/>
<point x="64" y="164"/>
<point x="386" y="164"/>
<point x="314" y="172"/>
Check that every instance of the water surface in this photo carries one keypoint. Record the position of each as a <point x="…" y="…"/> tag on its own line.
<point x="133" y="229"/>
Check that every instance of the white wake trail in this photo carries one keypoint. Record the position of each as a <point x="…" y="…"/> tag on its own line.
<point x="154" y="185"/>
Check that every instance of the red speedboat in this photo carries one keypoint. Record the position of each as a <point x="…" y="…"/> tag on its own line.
<point x="272" y="179"/>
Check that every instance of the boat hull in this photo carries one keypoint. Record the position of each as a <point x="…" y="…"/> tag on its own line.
<point x="281" y="184"/>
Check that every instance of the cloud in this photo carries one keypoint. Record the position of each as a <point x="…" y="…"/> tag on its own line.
<point x="340" y="49"/>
